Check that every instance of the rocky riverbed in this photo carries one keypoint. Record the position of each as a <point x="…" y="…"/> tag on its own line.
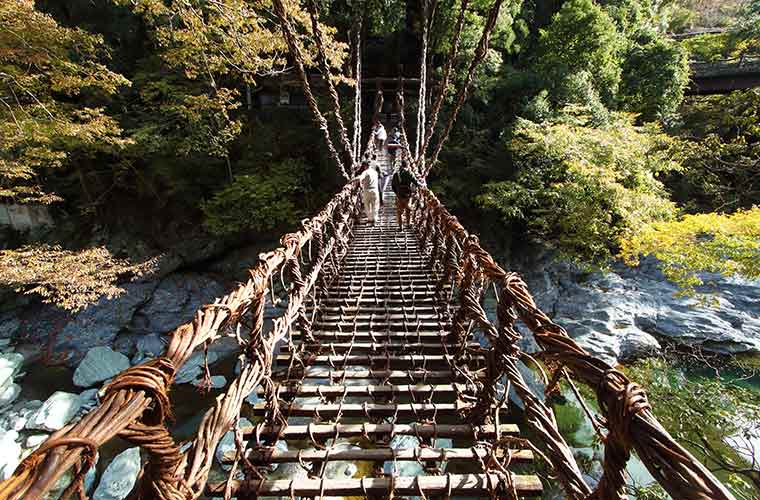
<point x="618" y="315"/>
<point x="630" y="313"/>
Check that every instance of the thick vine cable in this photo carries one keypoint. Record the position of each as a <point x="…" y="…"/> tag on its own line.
<point x="423" y="84"/>
<point x="358" y="90"/>
<point x="295" y="52"/>
<point x="480" y="53"/>
<point x="450" y="58"/>
<point x="327" y="74"/>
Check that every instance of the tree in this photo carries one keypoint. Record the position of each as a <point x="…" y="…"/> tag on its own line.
<point x="655" y="75"/>
<point x="69" y="279"/>
<point x="582" y="37"/>
<point x="720" y="147"/>
<point x="728" y="244"/>
<point x="714" y="417"/>
<point x="49" y="76"/>
<point x="579" y="188"/>
<point x="258" y="201"/>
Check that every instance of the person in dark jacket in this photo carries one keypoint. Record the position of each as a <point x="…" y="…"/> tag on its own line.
<point x="403" y="184"/>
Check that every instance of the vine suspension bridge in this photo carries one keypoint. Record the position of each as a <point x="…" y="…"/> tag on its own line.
<point x="377" y="340"/>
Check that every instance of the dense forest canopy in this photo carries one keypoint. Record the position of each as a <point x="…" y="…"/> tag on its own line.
<point x="135" y="121"/>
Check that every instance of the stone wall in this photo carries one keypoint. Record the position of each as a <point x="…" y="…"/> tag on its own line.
<point x="23" y="217"/>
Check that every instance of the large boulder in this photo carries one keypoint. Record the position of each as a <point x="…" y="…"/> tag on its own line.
<point x="11" y="453"/>
<point x="10" y="364"/>
<point x="100" y="323"/>
<point x="120" y="476"/>
<point x="9" y="394"/>
<point x="627" y="312"/>
<point x="175" y="301"/>
<point x="55" y="412"/>
<point x="100" y="363"/>
<point x="227" y="443"/>
<point x="194" y="367"/>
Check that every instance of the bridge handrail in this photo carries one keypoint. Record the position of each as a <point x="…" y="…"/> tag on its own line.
<point x="626" y="412"/>
<point x="135" y="405"/>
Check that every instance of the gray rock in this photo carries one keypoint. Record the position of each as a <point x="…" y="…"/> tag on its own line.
<point x="153" y="344"/>
<point x="16" y="419"/>
<point x="55" y="412"/>
<point x="10" y="364"/>
<point x="9" y="327"/>
<point x="88" y="399"/>
<point x="227" y="443"/>
<point x="193" y="367"/>
<point x="35" y="440"/>
<point x="100" y="323"/>
<point x="175" y="301"/>
<point x="100" y="363"/>
<point x="625" y="313"/>
<point x="120" y="476"/>
<point x="11" y="453"/>
<point x="9" y="394"/>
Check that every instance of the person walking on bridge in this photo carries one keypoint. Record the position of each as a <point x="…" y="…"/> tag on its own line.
<point x="403" y="184"/>
<point x="368" y="180"/>
<point x="380" y="135"/>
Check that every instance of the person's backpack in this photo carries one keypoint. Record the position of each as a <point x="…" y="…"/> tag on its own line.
<point x="404" y="184"/>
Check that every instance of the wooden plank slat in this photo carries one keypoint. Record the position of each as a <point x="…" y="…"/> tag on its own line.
<point x="352" y="410"/>
<point x="380" y="336"/>
<point x="267" y="456"/>
<point x="456" y="484"/>
<point x="291" y="389"/>
<point x="329" y="431"/>
<point x="358" y="347"/>
<point x="410" y="361"/>
<point x="424" y="376"/>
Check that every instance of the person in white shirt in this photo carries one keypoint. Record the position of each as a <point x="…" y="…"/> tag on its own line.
<point x="368" y="180"/>
<point x="380" y="135"/>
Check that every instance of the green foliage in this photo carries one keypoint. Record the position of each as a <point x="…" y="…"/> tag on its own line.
<point x="578" y="89"/>
<point x="260" y="202"/>
<point x="720" y="146"/>
<point x="707" y="416"/>
<point x="44" y="69"/>
<point x="718" y="243"/>
<point x="569" y="420"/>
<point x="580" y="188"/>
<point x="740" y="40"/>
<point x="582" y="37"/>
<point x="655" y="75"/>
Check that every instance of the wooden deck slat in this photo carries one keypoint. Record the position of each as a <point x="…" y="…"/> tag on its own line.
<point x="456" y="484"/>
<point x="413" y="361"/>
<point x="378" y="454"/>
<point x="325" y="431"/>
<point x="358" y="347"/>
<point x="352" y="410"/>
<point x="290" y="389"/>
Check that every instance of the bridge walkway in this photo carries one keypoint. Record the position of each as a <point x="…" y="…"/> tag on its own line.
<point x="380" y="389"/>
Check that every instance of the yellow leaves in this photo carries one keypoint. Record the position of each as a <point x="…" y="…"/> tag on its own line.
<point x="69" y="279"/>
<point x="209" y="39"/>
<point x="728" y="244"/>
